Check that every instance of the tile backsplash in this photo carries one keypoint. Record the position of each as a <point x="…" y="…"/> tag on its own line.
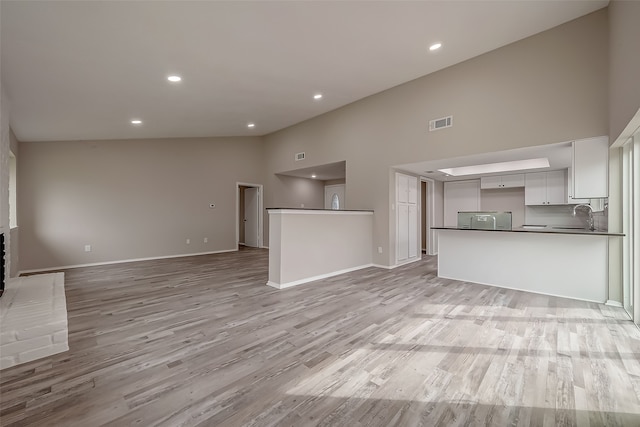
<point x="562" y="215"/>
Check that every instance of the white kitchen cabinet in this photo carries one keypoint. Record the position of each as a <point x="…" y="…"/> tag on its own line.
<point x="570" y="199"/>
<point x="460" y="196"/>
<point x="490" y="182"/>
<point x="545" y="188"/>
<point x="502" y="181"/>
<point x="590" y="168"/>
<point x="513" y="181"/>
<point x="407" y="188"/>
<point x="407" y="216"/>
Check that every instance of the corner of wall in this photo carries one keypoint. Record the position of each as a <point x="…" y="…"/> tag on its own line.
<point x="5" y="142"/>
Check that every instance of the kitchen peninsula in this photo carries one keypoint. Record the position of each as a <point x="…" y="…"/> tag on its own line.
<point x="569" y="263"/>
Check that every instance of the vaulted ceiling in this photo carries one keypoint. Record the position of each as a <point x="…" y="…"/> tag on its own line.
<point x="84" y="70"/>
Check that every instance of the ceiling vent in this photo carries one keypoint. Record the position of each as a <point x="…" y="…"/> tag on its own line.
<point x="300" y="156"/>
<point x="445" y="122"/>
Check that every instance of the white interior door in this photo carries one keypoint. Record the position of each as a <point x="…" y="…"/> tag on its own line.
<point x="251" y="217"/>
<point x="413" y="231"/>
<point x="334" y="197"/>
<point x="403" y="237"/>
<point x="407" y="218"/>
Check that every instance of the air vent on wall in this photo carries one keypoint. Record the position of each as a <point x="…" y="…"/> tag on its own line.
<point x="445" y="122"/>
<point x="299" y="156"/>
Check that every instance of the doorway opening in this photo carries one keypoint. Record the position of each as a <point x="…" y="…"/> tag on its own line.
<point x="427" y="216"/>
<point x="334" y="197"/>
<point x="249" y="215"/>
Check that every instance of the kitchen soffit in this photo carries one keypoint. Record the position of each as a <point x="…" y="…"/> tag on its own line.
<point x="559" y="156"/>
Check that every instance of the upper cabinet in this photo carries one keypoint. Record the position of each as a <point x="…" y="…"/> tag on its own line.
<point x="590" y="168"/>
<point x="545" y="188"/>
<point x="502" y="181"/>
<point x="407" y="188"/>
<point x="570" y="199"/>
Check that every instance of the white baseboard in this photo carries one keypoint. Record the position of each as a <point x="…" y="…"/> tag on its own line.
<point x="122" y="261"/>
<point x="391" y="267"/>
<point x="386" y="267"/>
<point x="314" y="278"/>
<point x="613" y="303"/>
<point x="521" y="290"/>
<point x="264" y="247"/>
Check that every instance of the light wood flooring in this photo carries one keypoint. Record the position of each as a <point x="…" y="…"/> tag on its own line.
<point x="202" y="341"/>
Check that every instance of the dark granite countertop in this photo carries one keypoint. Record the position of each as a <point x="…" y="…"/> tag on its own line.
<point x="542" y="229"/>
<point x="326" y="210"/>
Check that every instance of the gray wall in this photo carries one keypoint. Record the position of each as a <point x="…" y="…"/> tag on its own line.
<point x="143" y="198"/>
<point x="507" y="200"/>
<point x="293" y="192"/>
<point x="624" y="101"/>
<point x="624" y="61"/>
<point x="5" y="146"/>
<point x="548" y="88"/>
<point x="130" y="199"/>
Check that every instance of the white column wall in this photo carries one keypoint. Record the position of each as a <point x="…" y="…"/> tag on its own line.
<point x="310" y="245"/>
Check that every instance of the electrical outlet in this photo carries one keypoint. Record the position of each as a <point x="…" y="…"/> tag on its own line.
<point x="188" y="241"/>
<point x="87" y="248"/>
<point x="379" y="249"/>
<point x="302" y="205"/>
<point x="206" y="240"/>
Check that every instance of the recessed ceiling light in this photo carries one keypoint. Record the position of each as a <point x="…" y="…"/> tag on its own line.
<point x="313" y="176"/>
<point x="251" y="125"/>
<point x="317" y="96"/>
<point x="136" y="122"/>
<point x="174" y="79"/>
<point x="435" y="46"/>
<point x="516" y="165"/>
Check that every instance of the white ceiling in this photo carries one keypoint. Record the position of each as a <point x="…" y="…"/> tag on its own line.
<point x="82" y="70"/>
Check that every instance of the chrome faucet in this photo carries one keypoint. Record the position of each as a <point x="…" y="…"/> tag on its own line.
<point x="590" y="209"/>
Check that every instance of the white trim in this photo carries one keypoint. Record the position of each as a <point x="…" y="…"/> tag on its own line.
<point x="521" y="290"/>
<point x="386" y="267"/>
<point x="314" y="278"/>
<point x="391" y="267"/>
<point x="260" y="211"/>
<point x="122" y="261"/>
<point x="264" y="247"/>
<point x="317" y="212"/>
<point x="409" y="261"/>
<point x="613" y="303"/>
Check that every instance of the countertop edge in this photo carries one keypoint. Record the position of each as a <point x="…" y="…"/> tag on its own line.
<point x="540" y="231"/>
<point x="319" y="211"/>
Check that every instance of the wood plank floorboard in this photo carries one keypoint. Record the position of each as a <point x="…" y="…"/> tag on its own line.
<point x="202" y="341"/>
